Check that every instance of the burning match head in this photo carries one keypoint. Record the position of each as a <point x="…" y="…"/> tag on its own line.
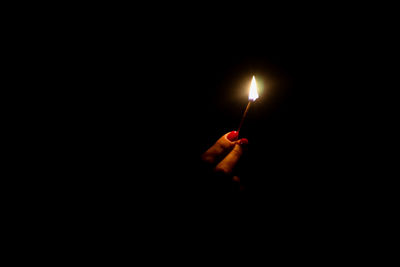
<point x="253" y="94"/>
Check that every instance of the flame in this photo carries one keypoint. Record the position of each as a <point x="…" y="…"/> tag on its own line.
<point x="253" y="94"/>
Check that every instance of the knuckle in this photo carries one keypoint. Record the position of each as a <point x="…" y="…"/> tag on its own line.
<point x="224" y="143"/>
<point x="237" y="152"/>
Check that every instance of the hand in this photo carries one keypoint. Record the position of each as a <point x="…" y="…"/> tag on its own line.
<point x="225" y="153"/>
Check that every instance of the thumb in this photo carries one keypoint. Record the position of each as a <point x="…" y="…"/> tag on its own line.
<point x="221" y="148"/>
<point x="229" y="162"/>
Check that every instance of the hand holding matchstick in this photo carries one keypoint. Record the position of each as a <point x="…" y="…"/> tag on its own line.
<point x="225" y="153"/>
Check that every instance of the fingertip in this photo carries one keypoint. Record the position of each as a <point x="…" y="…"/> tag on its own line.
<point x="243" y="141"/>
<point x="232" y="136"/>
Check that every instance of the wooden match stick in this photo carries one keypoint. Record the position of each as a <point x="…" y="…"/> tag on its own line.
<point x="244" y="115"/>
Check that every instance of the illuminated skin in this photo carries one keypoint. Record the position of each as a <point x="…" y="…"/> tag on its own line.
<point x="225" y="153"/>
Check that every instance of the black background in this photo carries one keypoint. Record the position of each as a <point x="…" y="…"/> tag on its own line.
<point x="163" y="101"/>
<point x="142" y="98"/>
<point x="130" y="97"/>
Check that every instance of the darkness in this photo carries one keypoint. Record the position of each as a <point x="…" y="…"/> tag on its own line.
<point x="294" y="129"/>
<point x="142" y="102"/>
<point x="170" y="102"/>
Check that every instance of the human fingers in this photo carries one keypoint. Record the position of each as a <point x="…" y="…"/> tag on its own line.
<point x="227" y="165"/>
<point x="221" y="148"/>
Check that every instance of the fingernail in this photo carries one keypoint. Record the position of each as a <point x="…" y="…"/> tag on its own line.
<point x="232" y="136"/>
<point x="243" y="141"/>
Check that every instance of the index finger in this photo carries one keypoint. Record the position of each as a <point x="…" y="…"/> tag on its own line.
<point x="229" y="162"/>
<point x="221" y="148"/>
